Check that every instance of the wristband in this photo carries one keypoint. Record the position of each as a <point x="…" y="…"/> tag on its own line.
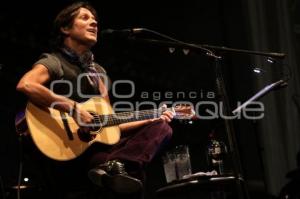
<point x="72" y="112"/>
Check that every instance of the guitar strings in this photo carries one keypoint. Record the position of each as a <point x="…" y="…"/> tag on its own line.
<point x="113" y="119"/>
<point x="123" y="117"/>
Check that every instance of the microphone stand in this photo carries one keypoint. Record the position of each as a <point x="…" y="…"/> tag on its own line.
<point x="220" y="86"/>
<point x="203" y="47"/>
<point x="231" y="138"/>
<point x="242" y="51"/>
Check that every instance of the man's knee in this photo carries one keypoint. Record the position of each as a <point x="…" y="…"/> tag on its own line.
<point x="164" y="128"/>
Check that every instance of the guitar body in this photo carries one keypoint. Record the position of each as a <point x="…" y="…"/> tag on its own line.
<point x="57" y="135"/>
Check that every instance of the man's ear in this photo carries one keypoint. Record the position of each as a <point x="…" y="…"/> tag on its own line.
<point x="65" y="30"/>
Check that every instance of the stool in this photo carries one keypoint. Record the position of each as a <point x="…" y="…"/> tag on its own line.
<point x="216" y="187"/>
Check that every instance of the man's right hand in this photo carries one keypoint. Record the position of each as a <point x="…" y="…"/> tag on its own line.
<point x="83" y="118"/>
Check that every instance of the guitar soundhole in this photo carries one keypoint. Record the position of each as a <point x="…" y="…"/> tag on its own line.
<point x="94" y="127"/>
<point x="85" y="136"/>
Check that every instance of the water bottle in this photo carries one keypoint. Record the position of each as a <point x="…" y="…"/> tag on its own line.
<point x="215" y="154"/>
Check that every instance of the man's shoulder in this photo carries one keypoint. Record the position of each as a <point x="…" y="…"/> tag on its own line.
<point x="49" y="57"/>
<point x="52" y="62"/>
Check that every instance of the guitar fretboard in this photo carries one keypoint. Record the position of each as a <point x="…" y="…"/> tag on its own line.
<point x="124" y="117"/>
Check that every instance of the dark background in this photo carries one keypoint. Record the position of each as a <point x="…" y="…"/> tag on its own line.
<point x="25" y="30"/>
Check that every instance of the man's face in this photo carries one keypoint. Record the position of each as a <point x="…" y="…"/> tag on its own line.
<point x="84" y="29"/>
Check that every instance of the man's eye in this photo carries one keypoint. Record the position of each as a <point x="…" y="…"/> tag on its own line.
<point x="85" y="17"/>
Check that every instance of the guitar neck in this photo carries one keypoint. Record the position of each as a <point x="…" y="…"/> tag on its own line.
<point x="125" y="117"/>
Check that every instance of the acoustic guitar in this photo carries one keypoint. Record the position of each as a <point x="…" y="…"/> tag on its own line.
<point x="57" y="135"/>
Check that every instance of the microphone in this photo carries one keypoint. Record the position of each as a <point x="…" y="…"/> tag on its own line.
<point x="123" y="32"/>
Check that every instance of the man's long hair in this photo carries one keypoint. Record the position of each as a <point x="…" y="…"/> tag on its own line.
<point x="65" y="19"/>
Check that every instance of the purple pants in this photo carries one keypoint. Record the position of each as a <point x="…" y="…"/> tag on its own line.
<point x="138" y="147"/>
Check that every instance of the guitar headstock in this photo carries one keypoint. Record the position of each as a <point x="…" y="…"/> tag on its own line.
<point x="184" y="112"/>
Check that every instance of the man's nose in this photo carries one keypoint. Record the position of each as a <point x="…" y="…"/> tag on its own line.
<point x="94" y="23"/>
